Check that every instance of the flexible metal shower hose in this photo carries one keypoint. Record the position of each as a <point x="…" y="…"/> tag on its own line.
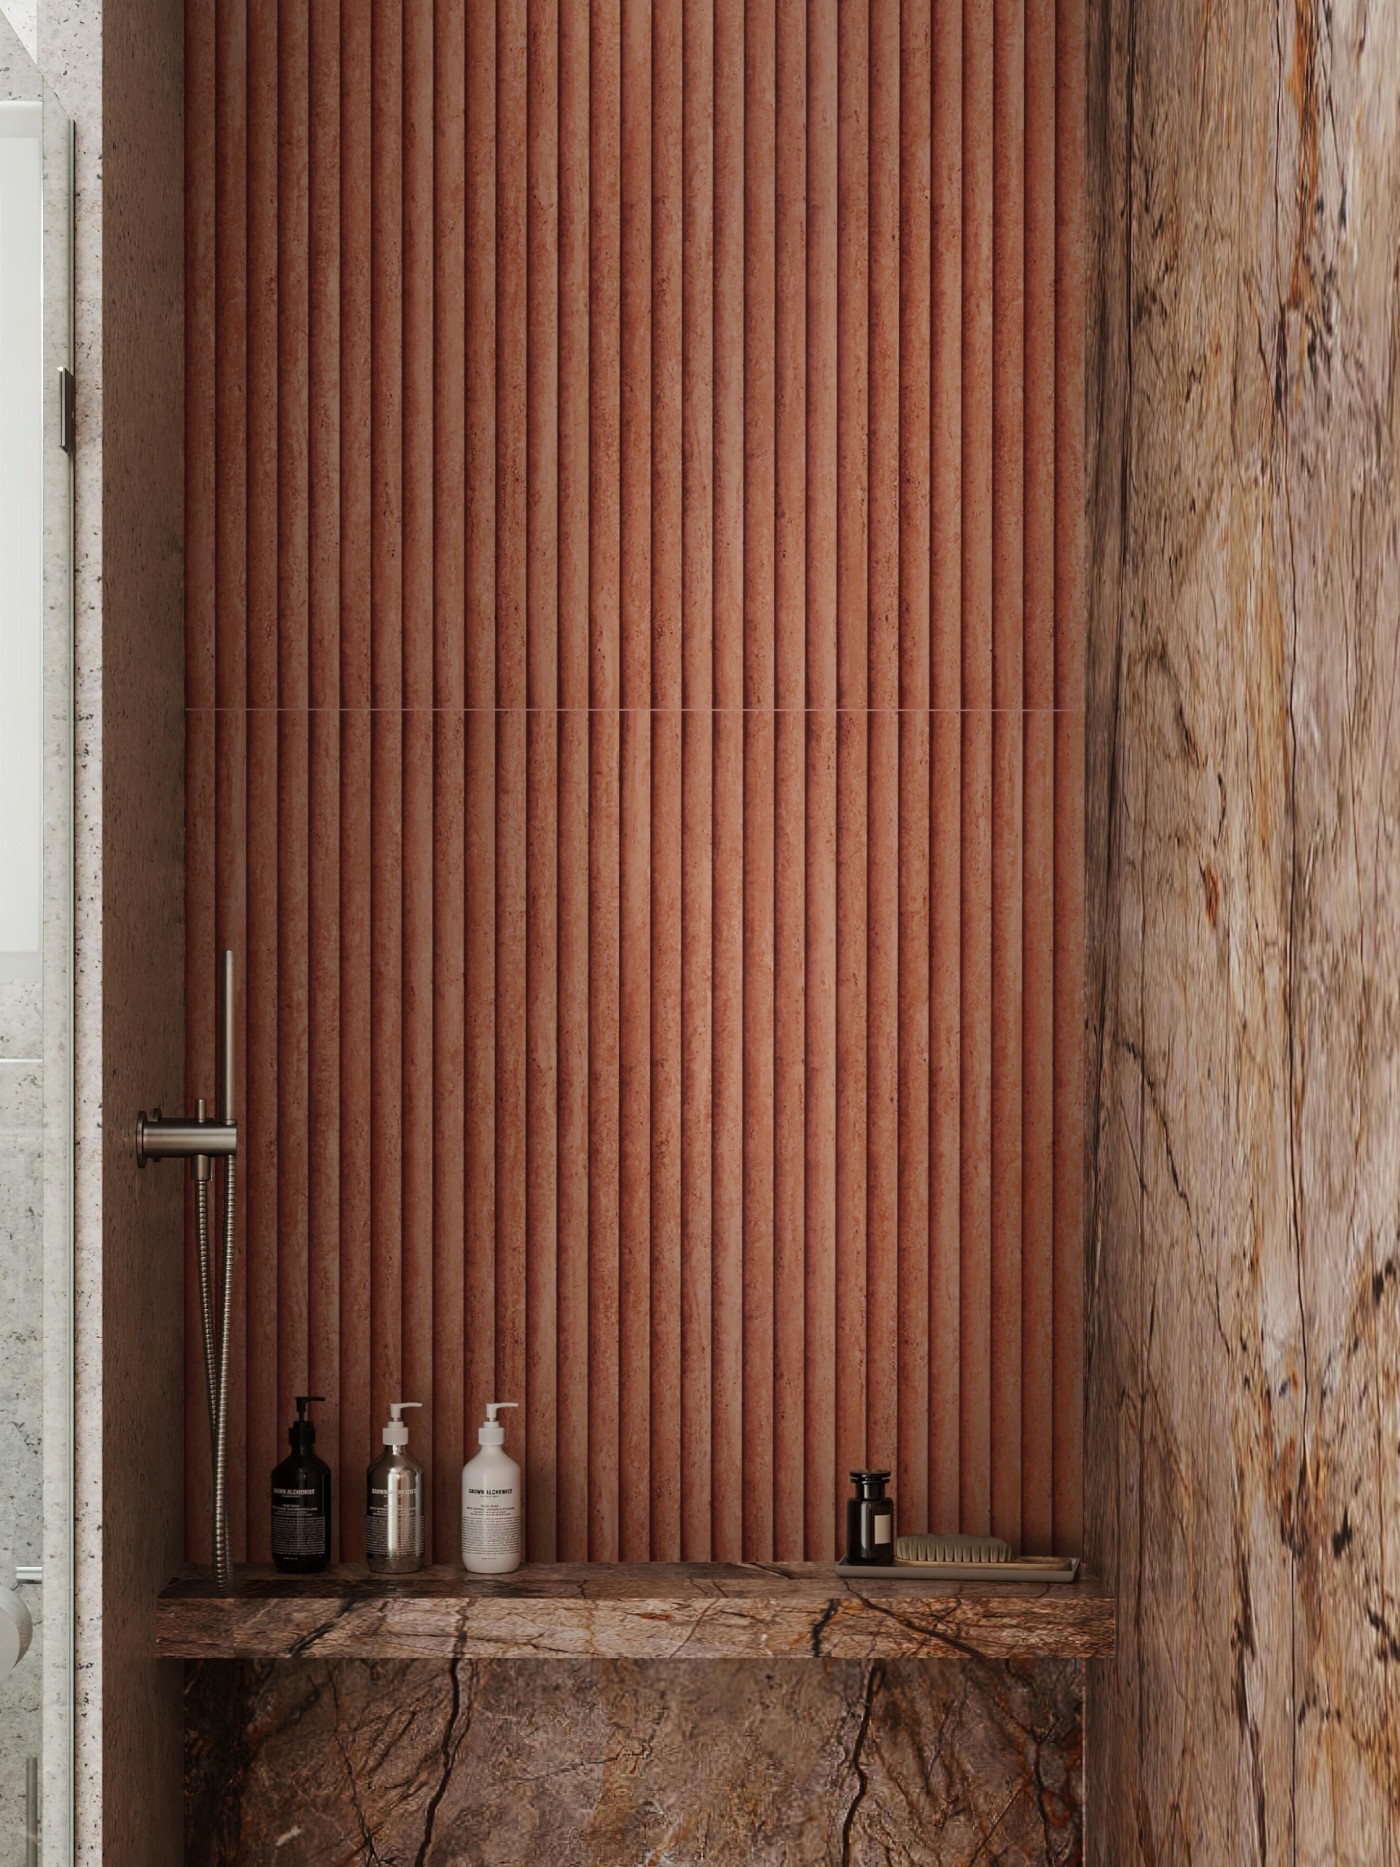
<point x="214" y="1321"/>
<point x="206" y="1298"/>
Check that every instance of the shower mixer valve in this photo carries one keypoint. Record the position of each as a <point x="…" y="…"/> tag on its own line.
<point x="201" y="1142"/>
<point x="183" y="1138"/>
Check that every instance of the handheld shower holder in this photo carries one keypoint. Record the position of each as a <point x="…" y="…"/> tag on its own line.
<point x="179" y="1138"/>
<point x="202" y="1142"/>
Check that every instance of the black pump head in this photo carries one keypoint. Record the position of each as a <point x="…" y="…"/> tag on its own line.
<point x="302" y="1433"/>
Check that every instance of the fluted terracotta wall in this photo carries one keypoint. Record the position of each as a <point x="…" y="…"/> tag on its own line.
<point x="635" y="749"/>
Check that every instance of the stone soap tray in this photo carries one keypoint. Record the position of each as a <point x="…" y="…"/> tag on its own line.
<point x="1016" y="1569"/>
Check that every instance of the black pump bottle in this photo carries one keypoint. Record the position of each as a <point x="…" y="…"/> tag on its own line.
<point x="301" y="1501"/>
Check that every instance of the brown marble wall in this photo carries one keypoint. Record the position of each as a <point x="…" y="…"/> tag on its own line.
<point x="1244" y="897"/>
<point x="735" y="1764"/>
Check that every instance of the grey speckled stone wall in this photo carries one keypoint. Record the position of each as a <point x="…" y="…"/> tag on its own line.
<point x="21" y="1413"/>
<point x="35" y="1167"/>
<point x="23" y="16"/>
<point x="116" y="67"/>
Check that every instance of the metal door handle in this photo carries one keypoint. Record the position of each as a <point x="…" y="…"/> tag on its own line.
<point x="31" y="1812"/>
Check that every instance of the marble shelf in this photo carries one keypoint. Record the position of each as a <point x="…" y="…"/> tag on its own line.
<point x="652" y="1611"/>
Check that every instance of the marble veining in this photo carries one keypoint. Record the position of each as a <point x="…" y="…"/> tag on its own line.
<point x="1244" y="903"/>
<point x="594" y="1764"/>
<point x="657" y="1611"/>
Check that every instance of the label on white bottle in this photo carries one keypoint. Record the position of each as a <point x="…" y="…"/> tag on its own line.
<point x="490" y="1521"/>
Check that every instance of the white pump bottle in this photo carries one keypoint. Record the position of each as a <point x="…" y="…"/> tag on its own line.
<point x="492" y="1506"/>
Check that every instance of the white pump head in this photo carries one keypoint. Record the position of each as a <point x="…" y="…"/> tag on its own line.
<point x="492" y="1432"/>
<point x="396" y="1432"/>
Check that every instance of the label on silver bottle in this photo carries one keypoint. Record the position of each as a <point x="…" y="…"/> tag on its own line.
<point x="394" y="1527"/>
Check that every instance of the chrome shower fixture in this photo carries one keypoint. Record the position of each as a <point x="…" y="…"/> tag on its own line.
<point x="202" y="1142"/>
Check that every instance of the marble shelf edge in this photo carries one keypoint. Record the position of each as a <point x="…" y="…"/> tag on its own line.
<point x="653" y="1611"/>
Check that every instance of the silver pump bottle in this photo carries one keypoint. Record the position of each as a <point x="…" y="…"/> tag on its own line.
<point x="394" y="1502"/>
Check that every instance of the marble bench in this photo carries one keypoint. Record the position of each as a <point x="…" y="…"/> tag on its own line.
<point x="740" y="1715"/>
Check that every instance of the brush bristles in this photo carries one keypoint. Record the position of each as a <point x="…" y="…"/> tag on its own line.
<point x="951" y="1549"/>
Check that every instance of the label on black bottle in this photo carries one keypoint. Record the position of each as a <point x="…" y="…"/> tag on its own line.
<point x="298" y="1528"/>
